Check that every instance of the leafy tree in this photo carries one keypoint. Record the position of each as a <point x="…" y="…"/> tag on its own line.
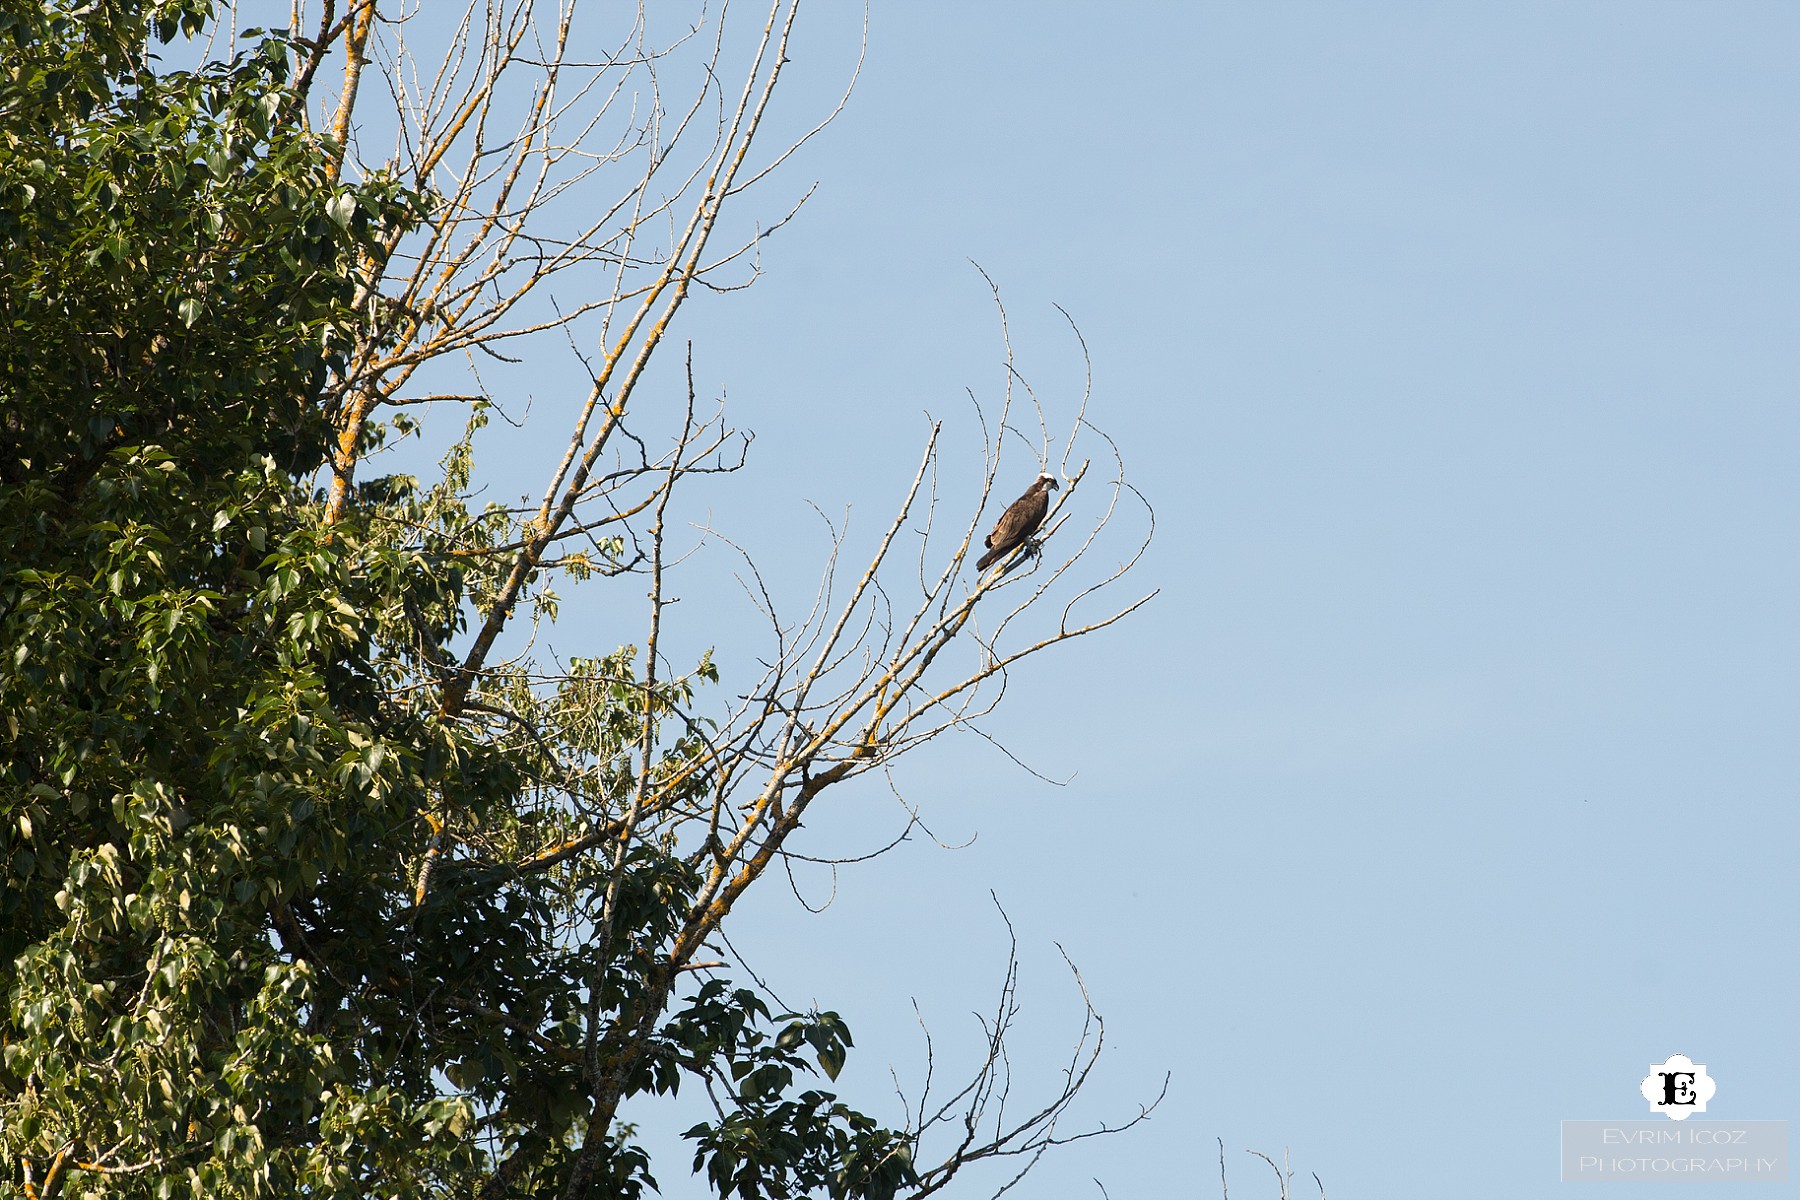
<point x="304" y="892"/>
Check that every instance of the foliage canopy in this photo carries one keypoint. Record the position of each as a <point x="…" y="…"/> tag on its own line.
<point x="303" y="896"/>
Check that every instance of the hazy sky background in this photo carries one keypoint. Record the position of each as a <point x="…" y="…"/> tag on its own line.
<point x="1449" y="782"/>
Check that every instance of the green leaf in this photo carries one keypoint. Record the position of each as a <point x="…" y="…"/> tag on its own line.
<point x="831" y="1060"/>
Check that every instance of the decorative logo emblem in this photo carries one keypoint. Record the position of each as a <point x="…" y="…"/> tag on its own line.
<point x="1678" y="1088"/>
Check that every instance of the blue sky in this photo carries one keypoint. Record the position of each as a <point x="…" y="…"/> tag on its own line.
<point x="1449" y="782"/>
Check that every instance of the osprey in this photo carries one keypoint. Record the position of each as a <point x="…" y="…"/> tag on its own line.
<point x="1020" y="520"/>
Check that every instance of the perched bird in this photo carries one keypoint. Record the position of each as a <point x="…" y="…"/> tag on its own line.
<point x="1020" y="520"/>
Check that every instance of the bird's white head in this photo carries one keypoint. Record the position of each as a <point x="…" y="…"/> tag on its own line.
<point x="1047" y="478"/>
